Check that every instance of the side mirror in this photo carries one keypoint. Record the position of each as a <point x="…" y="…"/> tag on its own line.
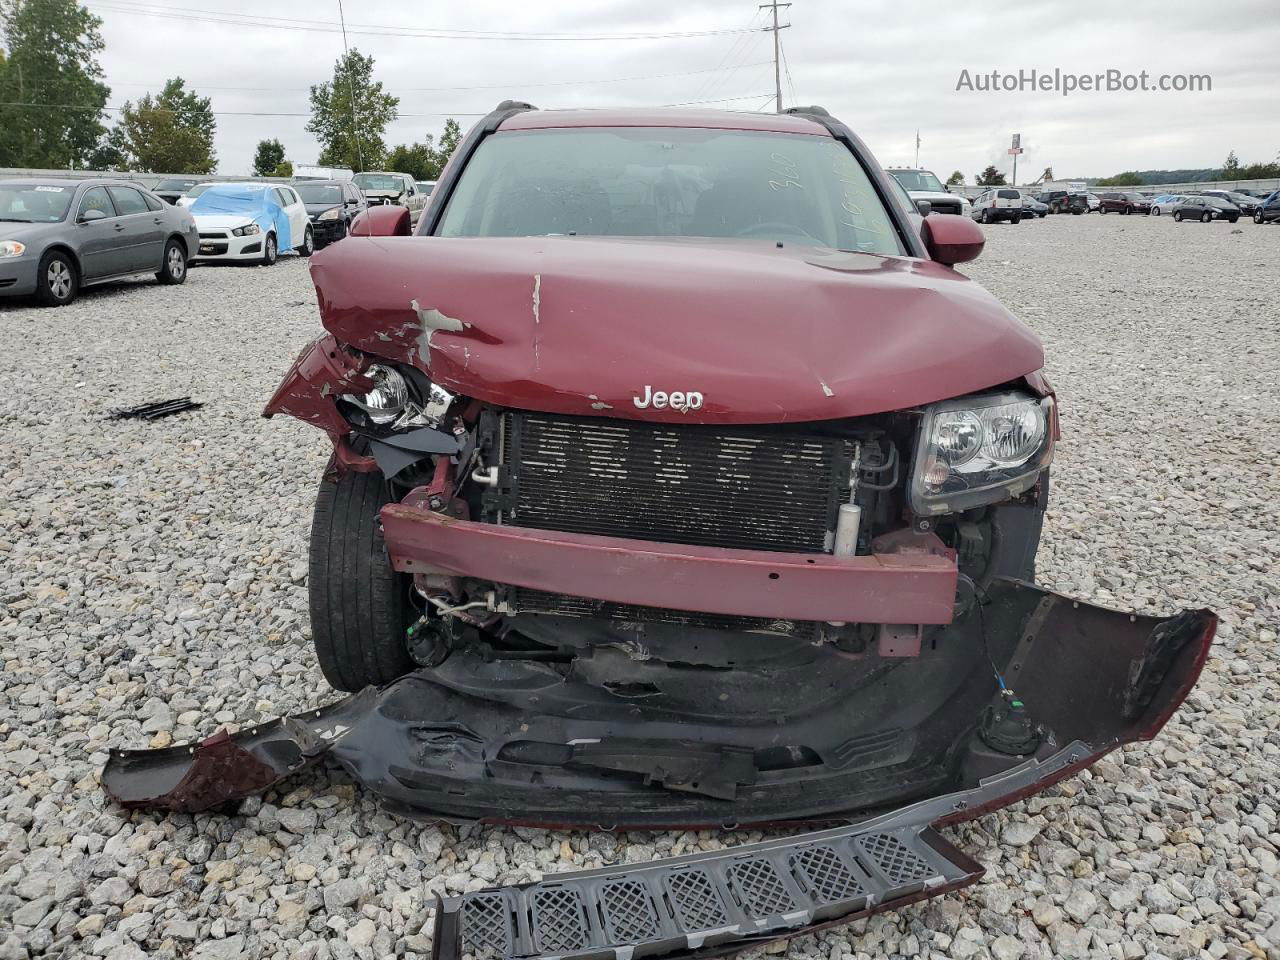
<point x="91" y="215"/>
<point x="924" y="207"/>
<point x="951" y="238"/>
<point x="383" y="220"/>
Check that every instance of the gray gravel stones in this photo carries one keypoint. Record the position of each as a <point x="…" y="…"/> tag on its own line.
<point x="152" y="587"/>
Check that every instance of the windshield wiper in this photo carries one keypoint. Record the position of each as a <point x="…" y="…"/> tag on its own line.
<point x="14" y="220"/>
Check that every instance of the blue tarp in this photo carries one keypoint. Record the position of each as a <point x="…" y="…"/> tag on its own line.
<point x="251" y="202"/>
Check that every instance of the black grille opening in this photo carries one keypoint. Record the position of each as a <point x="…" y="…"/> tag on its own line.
<point x="538" y="601"/>
<point x="739" y="487"/>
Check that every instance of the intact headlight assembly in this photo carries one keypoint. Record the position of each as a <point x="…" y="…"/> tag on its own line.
<point x="249" y="230"/>
<point x="331" y="214"/>
<point x="11" y="248"/>
<point x="978" y="450"/>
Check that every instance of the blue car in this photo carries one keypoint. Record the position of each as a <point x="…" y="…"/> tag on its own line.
<point x="1268" y="209"/>
<point x="251" y="222"/>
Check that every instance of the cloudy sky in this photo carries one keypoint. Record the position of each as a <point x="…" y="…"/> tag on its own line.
<point x="886" y="67"/>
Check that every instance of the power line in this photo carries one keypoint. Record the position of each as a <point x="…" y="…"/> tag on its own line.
<point x="329" y="26"/>
<point x="511" y="85"/>
<point x="705" y="87"/>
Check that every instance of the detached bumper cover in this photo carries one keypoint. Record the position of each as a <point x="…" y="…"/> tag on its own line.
<point x="459" y="742"/>
<point x="879" y="588"/>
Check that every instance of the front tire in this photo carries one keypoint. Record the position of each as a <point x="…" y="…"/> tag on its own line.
<point x="360" y="607"/>
<point x="1206" y="217"/>
<point x="1177" y="216"/>
<point x="1155" y="211"/>
<point x="308" y="243"/>
<point x="57" y="279"/>
<point x="173" y="266"/>
<point x="1257" y="217"/>
<point x="269" y="251"/>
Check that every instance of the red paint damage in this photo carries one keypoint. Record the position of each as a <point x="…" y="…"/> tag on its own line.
<point x="905" y="587"/>
<point x="584" y="325"/>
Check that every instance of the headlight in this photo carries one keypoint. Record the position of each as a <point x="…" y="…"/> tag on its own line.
<point x="386" y="401"/>
<point x="979" y="450"/>
<point x="12" y="248"/>
<point x="330" y="214"/>
<point x="248" y="230"/>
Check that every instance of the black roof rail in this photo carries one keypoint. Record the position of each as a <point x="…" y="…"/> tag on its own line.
<point x="813" y="111"/>
<point x="513" y="106"/>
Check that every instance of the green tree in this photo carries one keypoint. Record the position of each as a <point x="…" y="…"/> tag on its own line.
<point x="112" y="151"/>
<point x="955" y="179"/>
<point x="171" y="132"/>
<point x="990" y="177"/>
<point x="1130" y="178"/>
<point x="268" y="156"/>
<point x="449" y="141"/>
<point x="350" y="113"/>
<point x="283" y="169"/>
<point x="419" y="160"/>
<point x="1231" y="167"/>
<point x="51" y="79"/>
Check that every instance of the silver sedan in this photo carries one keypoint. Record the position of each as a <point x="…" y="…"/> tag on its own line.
<point x="57" y="236"/>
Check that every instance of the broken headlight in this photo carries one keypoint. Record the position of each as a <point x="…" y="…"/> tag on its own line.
<point x="978" y="450"/>
<point x="401" y="398"/>
<point x="387" y="400"/>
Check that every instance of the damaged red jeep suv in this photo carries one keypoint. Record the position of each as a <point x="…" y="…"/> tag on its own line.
<point x="679" y="479"/>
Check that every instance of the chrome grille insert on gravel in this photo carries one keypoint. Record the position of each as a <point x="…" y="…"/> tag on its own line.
<point x="706" y="901"/>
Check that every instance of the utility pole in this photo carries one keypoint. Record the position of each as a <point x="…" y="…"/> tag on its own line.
<point x="777" y="48"/>
<point x="917" y="148"/>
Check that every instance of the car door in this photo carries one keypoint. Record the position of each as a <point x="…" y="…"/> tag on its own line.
<point x="411" y="199"/>
<point x="355" y="203"/>
<point x="100" y="245"/>
<point x="296" y="211"/>
<point x="143" y="235"/>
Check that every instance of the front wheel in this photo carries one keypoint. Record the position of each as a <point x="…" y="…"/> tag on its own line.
<point x="986" y="216"/>
<point x="57" y="280"/>
<point x="1177" y="216"/>
<point x="269" y="252"/>
<point x="360" y="607"/>
<point x="308" y="243"/>
<point x="1155" y="211"/>
<point x="1206" y="217"/>
<point x="1257" y="217"/>
<point x="173" y="266"/>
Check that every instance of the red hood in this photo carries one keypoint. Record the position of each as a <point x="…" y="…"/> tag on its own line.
<point x="583" y="325"/>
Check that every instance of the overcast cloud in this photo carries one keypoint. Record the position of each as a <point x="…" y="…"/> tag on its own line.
<point x="886" y="68"/>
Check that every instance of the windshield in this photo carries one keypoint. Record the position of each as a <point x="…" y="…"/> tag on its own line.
<point x="34" y="202"/>
<point x="198" y="189"/>
<point x="669" y="182"/>
<point x="918" y="180"/>
<point x="377" y="181"/>
<point x="426" y="186"/>
<point x="174" y="184"/>
<point x="319" y="193"/>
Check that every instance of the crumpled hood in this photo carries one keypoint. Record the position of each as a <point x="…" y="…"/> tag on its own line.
<point x="585" y="325"/>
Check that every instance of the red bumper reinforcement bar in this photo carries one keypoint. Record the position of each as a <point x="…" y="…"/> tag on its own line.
<point x="880" y="588"/>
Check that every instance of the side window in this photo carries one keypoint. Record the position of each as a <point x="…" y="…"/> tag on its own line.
<point x="289" y="196"/>
<point x="153" y="203"/>
<point x="128" y="201"/>
<point x="278" y="196"/>
<point x="96" y="198"/>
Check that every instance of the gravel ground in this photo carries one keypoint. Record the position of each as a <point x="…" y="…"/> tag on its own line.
<point x="152" y="588"/>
